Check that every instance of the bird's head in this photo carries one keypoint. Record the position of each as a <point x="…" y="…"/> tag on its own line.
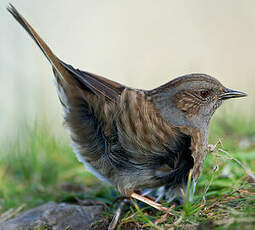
<point x="192" y="99"/>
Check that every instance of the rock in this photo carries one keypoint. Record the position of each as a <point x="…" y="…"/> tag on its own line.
<point x="55" y="217"/>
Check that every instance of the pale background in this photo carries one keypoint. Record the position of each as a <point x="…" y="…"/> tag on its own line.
<point x="141" y="43"/>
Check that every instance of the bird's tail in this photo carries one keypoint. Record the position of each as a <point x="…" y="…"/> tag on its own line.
<point x="55" y="62"/>
<point x="83" y="96"/>
<point x="65" y="73"/>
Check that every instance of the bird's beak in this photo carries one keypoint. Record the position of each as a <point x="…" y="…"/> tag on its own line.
<point x="229" y="93"/>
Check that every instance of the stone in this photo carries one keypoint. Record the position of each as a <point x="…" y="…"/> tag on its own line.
<point x="55" y="216"/>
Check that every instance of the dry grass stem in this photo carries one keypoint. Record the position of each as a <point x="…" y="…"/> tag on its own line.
<point x="247" y="170"/>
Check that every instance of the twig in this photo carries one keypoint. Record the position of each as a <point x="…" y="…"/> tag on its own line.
<point x="213" y="148"/>
<point x="149" y="202"/>
<point x="246" y="169"/>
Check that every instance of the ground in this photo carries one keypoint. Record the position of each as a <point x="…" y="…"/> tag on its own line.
<point x="37" y="167"/>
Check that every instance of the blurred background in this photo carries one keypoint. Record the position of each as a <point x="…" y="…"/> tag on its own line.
<point x="142" y="44"/>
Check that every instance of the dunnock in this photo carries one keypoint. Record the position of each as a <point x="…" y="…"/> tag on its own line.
<point x="137" y="139"/>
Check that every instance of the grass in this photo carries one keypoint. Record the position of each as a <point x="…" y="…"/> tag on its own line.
<point x="36" y="167"/>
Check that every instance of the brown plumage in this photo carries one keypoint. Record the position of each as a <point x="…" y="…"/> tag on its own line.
<point x="136" y="139"/>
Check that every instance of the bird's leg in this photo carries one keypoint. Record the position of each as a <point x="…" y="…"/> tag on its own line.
<point x="117" y="215"/>
<point x="148" y="201"/>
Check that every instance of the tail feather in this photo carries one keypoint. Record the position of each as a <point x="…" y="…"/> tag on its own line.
<point x="78" y="93"/>
<point x="96" y="84"/>
<point x="41" y="44"/>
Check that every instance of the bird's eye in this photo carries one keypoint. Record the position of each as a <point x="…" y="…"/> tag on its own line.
<point x="204" y="93"/>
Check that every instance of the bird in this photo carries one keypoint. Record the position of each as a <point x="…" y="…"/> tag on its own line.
<point x="137" y="139"/>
